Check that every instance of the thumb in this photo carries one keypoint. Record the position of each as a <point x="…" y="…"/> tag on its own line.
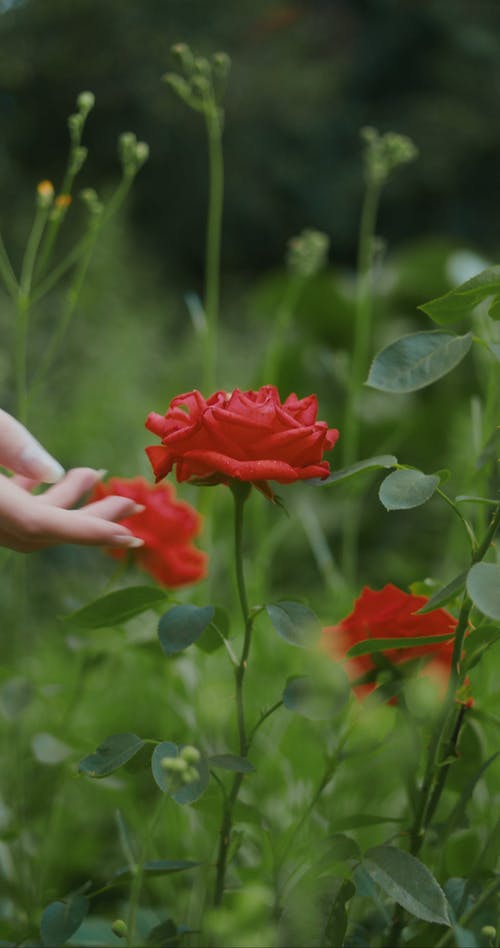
<point x="22" y="453"/>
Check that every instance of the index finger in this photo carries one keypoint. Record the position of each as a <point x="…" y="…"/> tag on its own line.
<point x="22" y="453"/>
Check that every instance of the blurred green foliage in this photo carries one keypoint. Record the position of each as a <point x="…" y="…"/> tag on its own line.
<point x="306" y="77"/>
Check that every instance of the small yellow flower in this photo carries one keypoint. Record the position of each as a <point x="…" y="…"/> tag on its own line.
<point x="63" y="201"/>
<point x="45" y="193"/>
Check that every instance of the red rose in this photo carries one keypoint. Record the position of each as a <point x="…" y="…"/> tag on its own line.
<point x="166" y="525"/>
<point x="250" y="436"/>
<point x="391" y="613"/>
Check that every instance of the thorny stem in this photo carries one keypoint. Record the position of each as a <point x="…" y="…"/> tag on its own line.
<point x="240" y="493"/>
<point x="431" y="789"/>
<point x="470" y="913"/>
<point x="443" y="744"/>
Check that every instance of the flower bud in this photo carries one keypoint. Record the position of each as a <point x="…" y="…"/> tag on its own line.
<point x="119" y="928"/>
<point x="75" y="126"/>
<point x="190" y="754"/>
<point x="127" y="144"/>
<point x="182" y="53"/>
<point x="308" y="252"/>
<point x="141" y="154"/>
<point x="201" y="85"/>
<point x="489" y="931"/>
<point x="45" y="193"/>
<point x="78" y="158"/>
<point x="221" y="63"/>
<point x="183" y="89"/>
<point x="61" y="204"/>
<point x="385" y="152"/>
<point x="190" y="775"/>
<point x="91" y="201"/>
<point x="63" y="200"/>
<point x="174" y="765"/>
<point x="201" y="66"/>
<point x="85" y="102"/>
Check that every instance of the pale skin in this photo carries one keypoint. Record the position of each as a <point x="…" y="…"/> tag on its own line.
<point x="30" y="522"/>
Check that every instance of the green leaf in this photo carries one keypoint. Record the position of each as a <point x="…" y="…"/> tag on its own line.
<point x="417" y="360"/>
<point x="459" y="302"/>
<point x="370" y="464"/>
<point x="317" y="700"/>
<point x="406" y="880"/>
<point x="163" y="935"/>
<point x="457" y="815"/>
<point x="340" y="848"/>
<point x="478" y="642"/>
<point x="335" y="924"/>
<point x="184" y="794"/>
<point x="113" y="753"/>
<point x="239" y="765"/>
<point x="370" y="646"/>
<point x="159" y="867"/>
<point x="116" y="608"/>
<point x="446" y="594"/>
<point x="183" y="625"/>
<point x="61" y="919"/>
<point x="357" y="820"/>
<point x="494" y="347"/>
<point x="295" y="623"/>
<point x="405" y="489"/>
<point x="483" y="587"/>
<point x="215" y="633"/>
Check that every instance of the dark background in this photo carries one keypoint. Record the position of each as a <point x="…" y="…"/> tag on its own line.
<point x="306" y="76"/>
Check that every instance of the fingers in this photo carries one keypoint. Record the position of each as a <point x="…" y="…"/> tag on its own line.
<point x="55" y="525"/>
<point x="71" y="487"/>
<point x="114" y="508"/>
<point x="22" y="453"/>
<point x="26" y="523"/>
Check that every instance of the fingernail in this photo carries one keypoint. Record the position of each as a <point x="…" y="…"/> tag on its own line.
<point x="138" y="508"/>
<point x="131" y="543"/>
<point x="36" y="462"/>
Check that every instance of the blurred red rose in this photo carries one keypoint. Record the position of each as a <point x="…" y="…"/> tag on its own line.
<point x="391" y="613"/>
<point x="250" y="436"/>
<point x="167" y="526"/>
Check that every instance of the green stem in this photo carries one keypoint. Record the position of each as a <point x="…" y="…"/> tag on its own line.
<point x="467" y="526"/>
<point x="359" y="363"/>
<point x="470" y="913"/>
<point x="23" y="305"/>
<point x="284" y="315"/>
<point x="240" y="493"/>
<point x="69" y="307"/>
<point x="213" y="241"/>
<point x="432" y="788"/>
<point x="138" y="875"/>
<point x="363" y="321"/>
<point x="82" y="252"/>
<point x="264" y="716"/>
<point x="7" y="273"/>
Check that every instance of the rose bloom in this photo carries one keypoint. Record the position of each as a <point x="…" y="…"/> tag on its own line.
<point x="167" y="526"/>
<point x="250" y="436"/>
<point x="390" y="613"/>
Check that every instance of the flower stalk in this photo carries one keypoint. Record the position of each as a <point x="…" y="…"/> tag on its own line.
<point x="240" y="493"/>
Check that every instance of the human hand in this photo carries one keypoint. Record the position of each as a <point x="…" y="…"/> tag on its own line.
<point x="31" y="522"/>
